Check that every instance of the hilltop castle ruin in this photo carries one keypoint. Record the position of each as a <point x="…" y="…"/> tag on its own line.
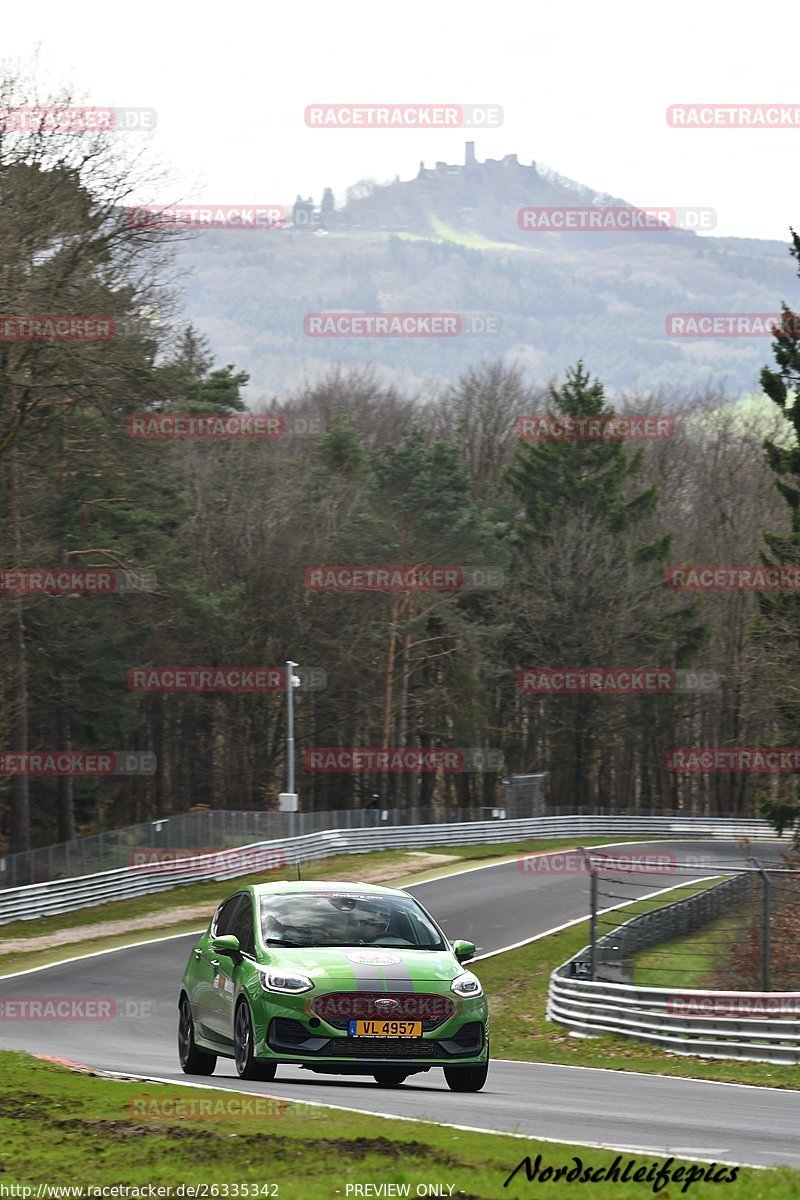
<point x="471" y="164"/>
<point x="306" y="216"/>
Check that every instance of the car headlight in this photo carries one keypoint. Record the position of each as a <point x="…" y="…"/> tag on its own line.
<point x="284" y="981"/>
<point x="466" y="984"/>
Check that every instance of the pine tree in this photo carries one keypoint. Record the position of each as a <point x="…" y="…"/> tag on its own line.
<point x="588" y="592"/>
<point x="779" y="625"/>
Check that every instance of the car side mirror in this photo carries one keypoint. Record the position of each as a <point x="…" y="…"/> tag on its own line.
<point x="227" y="944"/>
<point x="464" y="951"/>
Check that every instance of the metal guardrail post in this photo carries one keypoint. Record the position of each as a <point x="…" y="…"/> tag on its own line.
<point x="766" y="929"/>
<point x="592" y="913"/>
<point x="593" y="923"/>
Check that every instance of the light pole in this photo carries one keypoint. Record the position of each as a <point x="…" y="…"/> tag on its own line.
<point x="287" y="801"/>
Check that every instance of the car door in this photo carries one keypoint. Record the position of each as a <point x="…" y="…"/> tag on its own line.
<point x="200" y="978"/>
<point x="241" y="927"/>
<point x="232" y="918"/>
<point x="207" y="969"/>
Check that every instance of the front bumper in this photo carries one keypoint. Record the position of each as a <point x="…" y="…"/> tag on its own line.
<point x="289" y="1038"/>
<point x="288" y="1031"/>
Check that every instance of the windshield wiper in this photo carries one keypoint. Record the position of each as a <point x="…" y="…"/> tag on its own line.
<point x="379" y="945"/>
<point x="285" y="942"/>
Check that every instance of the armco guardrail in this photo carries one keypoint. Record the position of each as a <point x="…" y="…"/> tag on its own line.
<point x="664" y="1017"/>
<point x="65" y="895"/>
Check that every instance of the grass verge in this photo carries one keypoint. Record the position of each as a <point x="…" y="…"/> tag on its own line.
<point x="699" y="959"/>
<point x="66" y="1128"/>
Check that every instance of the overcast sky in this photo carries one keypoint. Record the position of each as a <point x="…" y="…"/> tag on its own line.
<point x="584" y="88"/>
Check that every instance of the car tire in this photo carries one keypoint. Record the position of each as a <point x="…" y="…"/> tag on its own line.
<point x="193" y="1061"/>
<point x="247" y="1065"/>
<point x="467" y="1079"/>
<point x="390" y="1077"/>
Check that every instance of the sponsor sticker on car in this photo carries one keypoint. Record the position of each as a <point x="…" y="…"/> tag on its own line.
<point x="374" y="958"/>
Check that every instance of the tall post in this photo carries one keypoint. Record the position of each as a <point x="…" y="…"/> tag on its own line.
<point x="766" y="930"/>
<point x="593" y="923"/>
<point x="592" y="913"/>
<point x="290" y="666"/>
<point x="288" y="800"/>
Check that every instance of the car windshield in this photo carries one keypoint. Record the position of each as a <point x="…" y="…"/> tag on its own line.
<point x="346" y="919"/>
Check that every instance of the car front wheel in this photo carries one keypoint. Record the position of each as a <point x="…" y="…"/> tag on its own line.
<point x="247" y="1065"/>
<point x="467" y="1079"/>
<point x="193" y="1061"/>
<point x="390" y="1078"/>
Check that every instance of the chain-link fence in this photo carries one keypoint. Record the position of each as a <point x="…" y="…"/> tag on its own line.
<point x="220" y="829"/>
<point x="658" y="922"/>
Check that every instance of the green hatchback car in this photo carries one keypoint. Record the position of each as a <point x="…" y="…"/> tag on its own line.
<point x="338" y="978"/>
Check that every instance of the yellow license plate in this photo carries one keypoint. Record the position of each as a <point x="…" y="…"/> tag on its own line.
<point x="385" y="1028"/>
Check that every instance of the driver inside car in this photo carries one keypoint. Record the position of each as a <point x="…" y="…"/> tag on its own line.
<point x="373" y="922"/>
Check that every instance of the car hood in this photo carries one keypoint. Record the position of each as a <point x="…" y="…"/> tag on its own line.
<point x="362" y="964"/>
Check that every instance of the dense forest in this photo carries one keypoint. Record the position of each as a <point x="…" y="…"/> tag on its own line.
<point x="580" y="536"/>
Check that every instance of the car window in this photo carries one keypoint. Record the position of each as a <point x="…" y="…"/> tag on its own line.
<point x="346" y="919"/>
<point x="242" y="925"/>
<point x="226" y="914"/>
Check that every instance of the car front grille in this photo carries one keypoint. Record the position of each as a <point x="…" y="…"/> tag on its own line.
<point x="383" y="1048"/>
<point x="339" y="1008"/>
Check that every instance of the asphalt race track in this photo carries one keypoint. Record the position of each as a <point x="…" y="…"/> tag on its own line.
<point x="495" y="907"/>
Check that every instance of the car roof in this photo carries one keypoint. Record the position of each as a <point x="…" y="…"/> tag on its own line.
<point x="285" y="886"/>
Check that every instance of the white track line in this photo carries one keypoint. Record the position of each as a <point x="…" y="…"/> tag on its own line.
<point x="430" y="1121"/>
